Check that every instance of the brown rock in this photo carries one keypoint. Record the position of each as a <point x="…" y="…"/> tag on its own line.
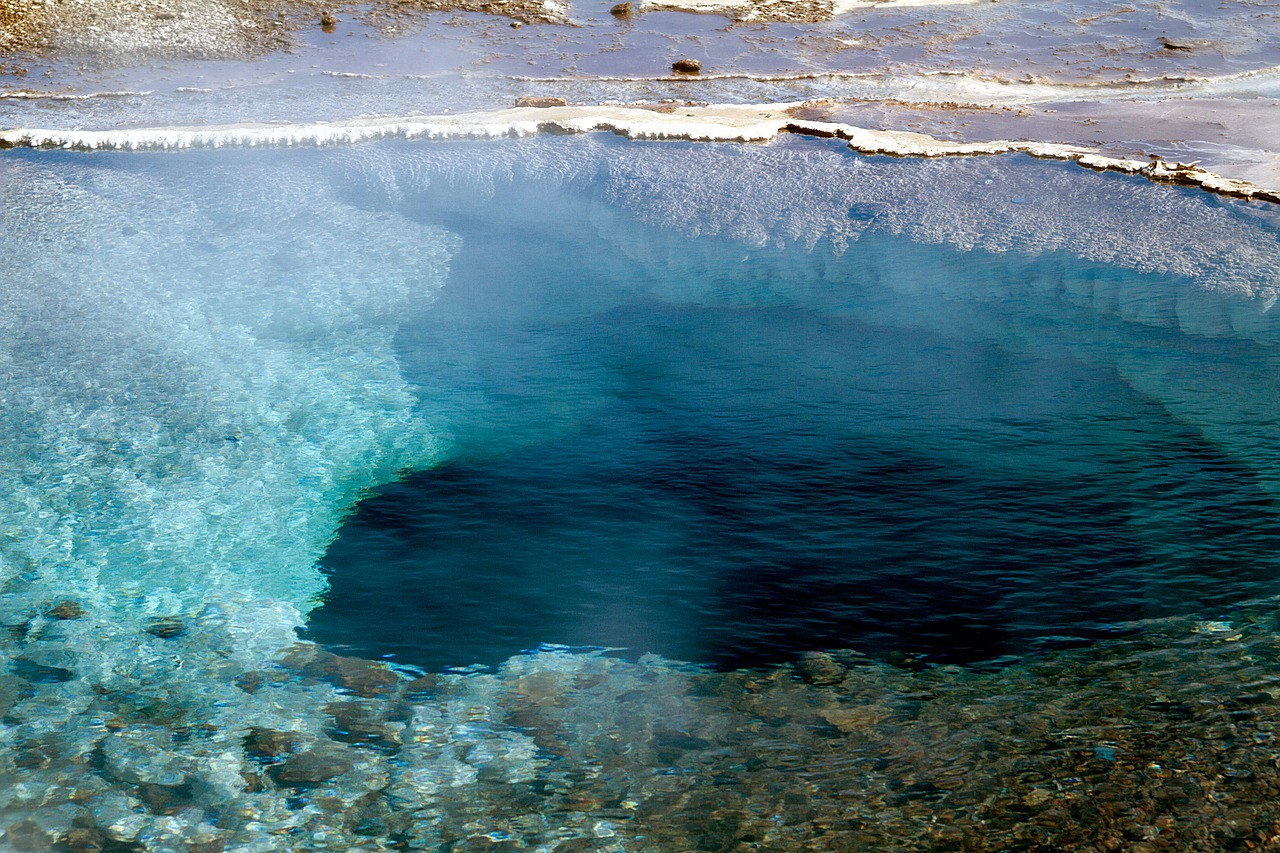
<point x="207" y="844"/>
<point x="534" y="101"/>
<point x="322" y="762"/>
<point x="252" y="681"/>
<point x="622" y="10"/>
<point x="84" y="839"/>
<point x="253" y="783"/>
<point x="269" y="743"/>
<point x="854" y="719"/>
<point x="66" y="610"/>
<point x="361" y="721"/>
<point x="166" y="627"/>
<point x="420" y="688"/>
<point x="365" y="678"/>
<point x="302" y="658"/>
<point x="37" y="754"/>
<point x="369" y="814"/>
<point x="27" y="835"/>
<point x="12" y="691"/>
<point x="687" y="66"/>
<point x="328" y="21"/>
<point x="164" y="799"/>
<point x="670" y="746"/>
<point x="820" y="669"/>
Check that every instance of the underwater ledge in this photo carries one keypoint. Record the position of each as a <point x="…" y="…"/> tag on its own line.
<point x="140" y="716"/>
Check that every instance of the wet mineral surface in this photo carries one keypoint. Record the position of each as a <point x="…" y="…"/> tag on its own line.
<point x="1185" y="83"/>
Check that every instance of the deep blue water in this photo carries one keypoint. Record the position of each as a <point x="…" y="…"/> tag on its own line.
<point x="699" y="459"/>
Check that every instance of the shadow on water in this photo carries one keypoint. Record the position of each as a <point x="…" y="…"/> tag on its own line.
<point x="680" y="458"/>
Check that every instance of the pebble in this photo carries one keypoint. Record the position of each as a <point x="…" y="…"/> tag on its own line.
<point x="687" y="66"/>
<point x="250" y="682"/>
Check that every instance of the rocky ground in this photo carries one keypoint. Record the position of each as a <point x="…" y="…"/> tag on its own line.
<point x="138" y="30"/>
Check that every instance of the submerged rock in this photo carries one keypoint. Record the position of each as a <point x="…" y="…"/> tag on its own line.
<point x="145" y="755"/>
<point x="13" y="689"/>
<point x="166" y="627"/>
<point x="362" y="677"/>
<point x="322" y="762"/>
<point x="363" y="722"/>
<point x="66" y="610"/>
<point x="820" y="668"/>
<point x="40" y="673"/>
<point x="85" y="839"/>
<point x="27" y="835"/>
<point x="268" y="743"/>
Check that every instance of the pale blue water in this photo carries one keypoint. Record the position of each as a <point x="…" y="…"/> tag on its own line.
<point x="731" y="454"/>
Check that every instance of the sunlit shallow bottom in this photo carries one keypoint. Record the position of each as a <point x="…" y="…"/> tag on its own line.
<point x="831" y="425"/>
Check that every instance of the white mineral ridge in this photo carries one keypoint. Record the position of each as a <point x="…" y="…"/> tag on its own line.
<point x="718" y="123"/>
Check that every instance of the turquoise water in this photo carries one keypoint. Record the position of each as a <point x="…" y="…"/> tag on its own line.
<point x="947" y="408"/>
<point x="448" y="402"/>
<point x="730" y="455"/>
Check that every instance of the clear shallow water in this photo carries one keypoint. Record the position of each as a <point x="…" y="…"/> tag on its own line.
<point x="729" y="455"/>
<point x="208" y="360"/>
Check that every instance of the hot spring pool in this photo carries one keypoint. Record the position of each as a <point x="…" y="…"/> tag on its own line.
<point x="730" y="454"/>
<point x="782" y="496"/>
